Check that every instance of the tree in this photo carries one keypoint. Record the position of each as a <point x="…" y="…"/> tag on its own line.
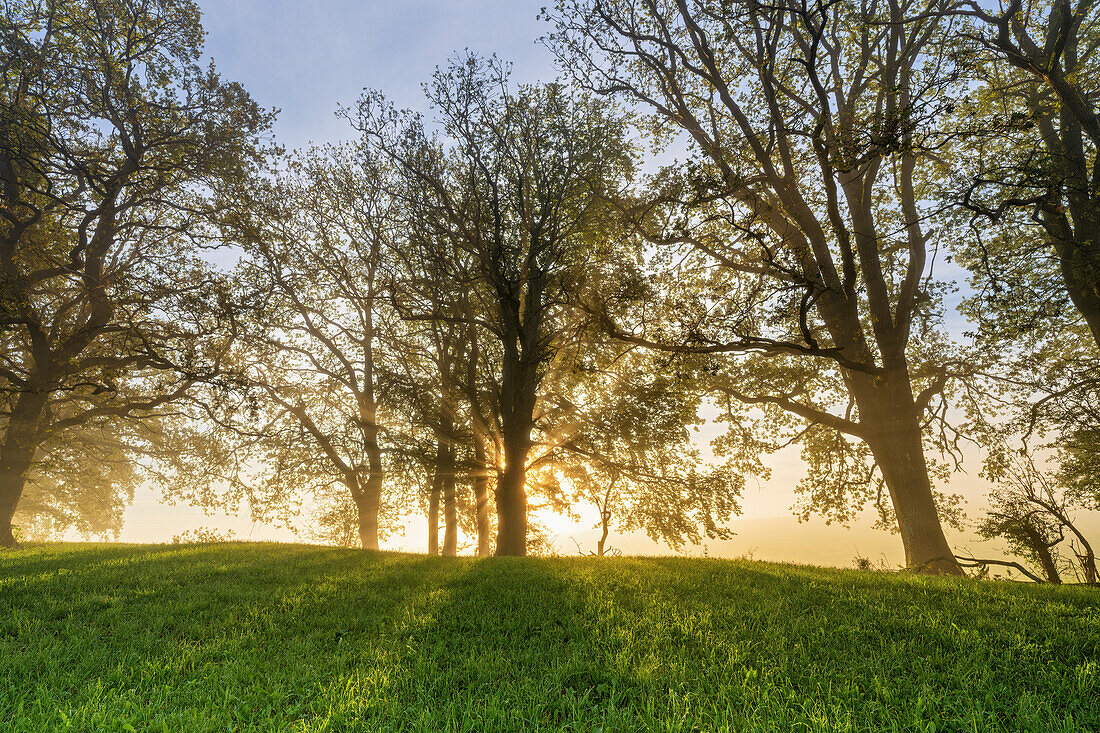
<point x="1033" y="155"/>
<point x="112" y="141"/>
<point x="312" y="305"/>
<point x="633" y="459"/>
<point x="1032" y="510"/>
<point x="516" y="198"/>
<point x="797" y="234"/>
<point x="1027" y="178"/>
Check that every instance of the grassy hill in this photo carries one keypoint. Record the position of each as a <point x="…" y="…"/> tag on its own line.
<point x="282" y="637"/>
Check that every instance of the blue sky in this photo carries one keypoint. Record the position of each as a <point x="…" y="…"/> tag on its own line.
<point x="305" y="58"/>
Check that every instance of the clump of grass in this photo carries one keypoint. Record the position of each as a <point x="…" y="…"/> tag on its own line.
<point x="257" y="637"/>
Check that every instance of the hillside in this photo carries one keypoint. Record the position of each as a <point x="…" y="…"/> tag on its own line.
<point x="281" y="637"/>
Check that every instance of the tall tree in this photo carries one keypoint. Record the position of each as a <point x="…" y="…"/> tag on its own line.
<point x="517" y="196"/>
<point x="796" y="235"/>
<point x="1027" y="177"/>
<point x="112" y="141"/>
<point x="313" y="308"/>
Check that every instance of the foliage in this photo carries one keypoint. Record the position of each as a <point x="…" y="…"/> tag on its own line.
<point x="83" y="483"/>
<point x="308" y="304"/>
<point x="506" y="212"/>
<point x="1032" y="506"/>
<point x="1033" y="130"/>
<point x="634" y="457"/>
<point x="1026" y="180"/>
<point x="791" y="247"/>
<point x="201" y="536"/>
<point x="115" y="145"/>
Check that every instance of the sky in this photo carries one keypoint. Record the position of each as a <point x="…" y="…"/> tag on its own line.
<point x="306" y="59"/>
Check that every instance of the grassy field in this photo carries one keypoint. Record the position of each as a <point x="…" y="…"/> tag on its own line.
<point x="282" y="637"/>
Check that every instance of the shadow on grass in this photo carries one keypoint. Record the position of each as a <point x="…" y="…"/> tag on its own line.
<point x="206" y="637"/>
<point x="637" y="644"/>
<point x="263" y="637"/>
<point x="509" y="644"/>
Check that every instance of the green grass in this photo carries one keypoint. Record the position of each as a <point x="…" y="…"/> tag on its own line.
<point x="282" y="637"/>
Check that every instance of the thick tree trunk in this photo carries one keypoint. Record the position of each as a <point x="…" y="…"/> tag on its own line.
<point x="1080" y="266"/>
<point x="1035" y="542"/>
<point x="16" y="456"/>
<point x="367" y="492"/>
<point x="512" y="499"/>
<point x="517" y="398"/>
<point x="1046" y="561"/>
<point x="518" y="393"/>
<point x="450" y="505"/>
<point x="368" y="506"/>
<point x="888" y="414"/>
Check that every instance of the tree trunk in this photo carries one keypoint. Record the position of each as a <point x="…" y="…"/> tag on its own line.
<point x="603" y="538"/>
<point x="16" y="455"/>
<point x="450" y="508"/>
<point x="518" y="394"/>
<point x="433" y="502"/>
<point x="481" y="498"/>
<point x="481" y="509"/>
<point x="512" y="499"/>
<point x="1080" y="266"/>
<point x="518" y="389"/>
<point x="888" y="413"/>
<point x="1088" y="565"/>
<point x="1087" y="557"/>
<point x="1046" y="561"/>
<point x="368" y="501"/>
<point x="1035" y="542"/>
<point x="368" y="507"/>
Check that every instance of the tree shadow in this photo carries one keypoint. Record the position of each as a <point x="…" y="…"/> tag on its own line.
<point x="635" y="643"/>
<point x="261" y="637"/>
<point x="209" y="635"/>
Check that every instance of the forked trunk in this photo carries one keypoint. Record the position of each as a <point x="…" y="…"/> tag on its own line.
<point x="16" y="456"/>
<point x="888" y="413"/>
<point x="1086" y="556"/>
<point x="1088" y="566"/>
